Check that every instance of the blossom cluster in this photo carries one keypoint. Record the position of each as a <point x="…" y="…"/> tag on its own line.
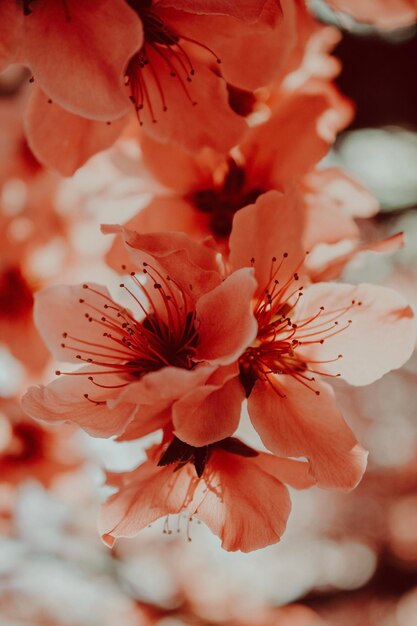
<point x="228" y="299"/>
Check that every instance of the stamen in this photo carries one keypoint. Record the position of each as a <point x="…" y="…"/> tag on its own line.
<point x="96" y="402"/>
<point x="166" y="43"/>
<point x="129" y="348"/>
<point x="280" y="340"/>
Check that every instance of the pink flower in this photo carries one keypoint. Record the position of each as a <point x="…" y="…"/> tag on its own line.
<point x="29" y="220"/>
<point x="236" y="491"/>
<point x="185" y="79"/>
<point x="17" y="329"/>
<point x="30" y="451"/>
<point x="187" y="328"/>
<point x="306" y="333"/>
<point x="207" y="189"/>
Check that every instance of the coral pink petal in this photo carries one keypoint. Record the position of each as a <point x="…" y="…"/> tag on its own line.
<point x="342" y="190"/>
<point x="252" y="54"/>
<point x="379" y="338"/>
<point x="57" y="310"/>
<point x="148" y="419"/>
<point x="292" y="472"/>
<point x="63" y="400"/>
<point x="155" y="394"/>
<point x="168" y="213"/>
<point x="11" y="27"/>
<point x="23" y="340"/>
<point x="147" y="493"/>
<point x="79" y="59"/>
<point x="302" y="424"/>
<point x="247" y="10"/>
<point x="164" y="385"/>
<point x="241" y="503"/>
<point x="62" y="140"/>
<point x="192" y="265"/>
<point x="326" y="223"/>
<point x="327" y="262"/>
<point x="191" y="125"/>
<point x="302" y="125"/>
<point x="177" y="168"/>
<point x="385" y="13"/>
<point x="161" y="244"/>
<point x="209" y="413"/>
<point x="267" y="229"/>
<point x="225" y="322"/>
<point x="333" y="199"/>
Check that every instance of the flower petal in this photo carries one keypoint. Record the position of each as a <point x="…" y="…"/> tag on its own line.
<point x="24" y="342"/>
<point x="266" y="230"/>
<point x="155" y="394"/>
<point x="11" y="23"/>
<point x="292" y="472"/>
<point x="194" y="111"/>
<point x="209" y="413"/>
<point x="385" y="13"/>
<point x="80" y="62"/>
<point x="302" y="125"/>
<point x="62" y="140"/>
<point x="302" y="424"/>
<point x="58" y="311"/>
<point x="64" y="400"/>
<point x="327" y="262"/>
<point x="165" y="385"/>
<point x="241" y="503"/>
<point x="144" y="495"/>
<point x="379" y="338"/>
<point x="163" y="213"/>
<point x="192" y="265"/>
<point x="226" y="324"/>
<point x="253" y="53"/>
<point x="247" y="10"/>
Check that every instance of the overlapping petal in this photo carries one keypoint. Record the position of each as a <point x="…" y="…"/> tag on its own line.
<point x="293" y="421"/>
<point x="74" y="398"/>
<point x="379" y="337"/>
<point x="85" y="73"/>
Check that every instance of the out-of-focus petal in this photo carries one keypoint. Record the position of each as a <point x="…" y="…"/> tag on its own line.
<point x="62" y="140"/>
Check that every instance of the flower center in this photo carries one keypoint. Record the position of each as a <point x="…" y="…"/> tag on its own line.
<point x="27" y="444"/>
<point x="143" y="77"/>
<point x="221" y="203"/>
<point x="166" y="336"/>
<point x="16" y="299"/>
<point x="282" y="334"/>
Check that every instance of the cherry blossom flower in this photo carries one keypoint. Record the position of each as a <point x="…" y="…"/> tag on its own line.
<point x="207" y="189"/>
<point x="17" y="329"/>
<point x="232" y="488"/>
<point x="187" y="328"/>
<point x="306" y="333"/>
<point x="28" y="450"/>
<point x="29" y="221"/>
<point x="185" y="80"/>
